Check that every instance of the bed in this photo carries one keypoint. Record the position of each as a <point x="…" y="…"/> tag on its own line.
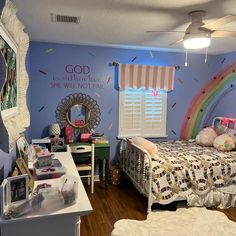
<point x="182" y="170"/>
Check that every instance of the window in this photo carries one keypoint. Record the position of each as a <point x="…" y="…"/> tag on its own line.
<point x="142" y="113"/>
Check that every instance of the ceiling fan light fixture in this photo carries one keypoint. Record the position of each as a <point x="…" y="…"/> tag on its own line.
<point x="197" y="42"/>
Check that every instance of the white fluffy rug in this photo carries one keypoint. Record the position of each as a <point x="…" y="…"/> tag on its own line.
<point x="194" y="221"/>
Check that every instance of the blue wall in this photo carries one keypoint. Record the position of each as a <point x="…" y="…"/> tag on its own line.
<point x="49" y="74"/>
<point x="226" y="107"/>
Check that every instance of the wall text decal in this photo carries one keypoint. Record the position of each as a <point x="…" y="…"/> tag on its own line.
<point x="76" y="76"/>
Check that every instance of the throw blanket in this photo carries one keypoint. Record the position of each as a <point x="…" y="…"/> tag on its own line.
<point x="182" y="167"/>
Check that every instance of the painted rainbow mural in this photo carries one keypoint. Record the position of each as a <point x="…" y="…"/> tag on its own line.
<point x="204" y="102"/>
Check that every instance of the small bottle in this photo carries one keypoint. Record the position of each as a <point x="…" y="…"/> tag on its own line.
<point x="69" y="134"/>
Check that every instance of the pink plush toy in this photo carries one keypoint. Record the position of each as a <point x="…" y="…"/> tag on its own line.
<point x="206" y="137"/>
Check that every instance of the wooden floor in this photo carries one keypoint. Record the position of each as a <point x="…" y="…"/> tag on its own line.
<point x="119" y="202"/>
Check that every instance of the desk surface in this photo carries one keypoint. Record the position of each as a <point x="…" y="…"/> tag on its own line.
<point x="50" y="208"/>
<point x="96" y="145"/>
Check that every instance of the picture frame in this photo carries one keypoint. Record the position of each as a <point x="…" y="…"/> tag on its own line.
<point x="9" y="74"/>
<point x="3" y="197"/>
<point x="17" y="189"/>
<point x="23" y="169"/>
<point x="23" y="148"/>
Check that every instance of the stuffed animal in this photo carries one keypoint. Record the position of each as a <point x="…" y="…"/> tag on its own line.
<point x="224" y="142"/>
<point x="206" y="137"/>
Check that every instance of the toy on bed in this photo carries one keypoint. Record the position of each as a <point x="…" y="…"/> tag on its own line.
<point x="183" y="170"/>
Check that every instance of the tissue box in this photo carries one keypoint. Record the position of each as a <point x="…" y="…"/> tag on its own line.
<point x="44" y="158"/>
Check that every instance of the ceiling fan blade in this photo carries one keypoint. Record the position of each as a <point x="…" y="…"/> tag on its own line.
<point x="178" y="41"/>
<point x="163" y="31"/>
<point x="223" y="34"/>
<point x="222" y="21"/>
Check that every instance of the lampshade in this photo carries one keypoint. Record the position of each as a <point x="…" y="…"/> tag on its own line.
<point x="197" y="41"/>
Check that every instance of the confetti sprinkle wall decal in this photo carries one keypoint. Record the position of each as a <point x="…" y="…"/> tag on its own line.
<point x="98" y="95"/>
<point x="205" y="100"/>
<point x="173" y="105"/>
<point x="109" y="79"/>
<point x="49" y="50"/>
<point x="91" y="54"/>
<point x="40" y="109"/>
<point x="134" y="59"/>
<point x="110" y="126"/>
<point x="109" y="112"/>
<point x="173" y="132"/>
<point x="181" y="81"/>
<point x="151" y="54"/>
<point x="42" y="72"/>
<point x="223" y="61"/>
<point x="177" y="68"/>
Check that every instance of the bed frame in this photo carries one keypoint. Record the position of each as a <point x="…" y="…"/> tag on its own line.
<point x="129" y="152"/>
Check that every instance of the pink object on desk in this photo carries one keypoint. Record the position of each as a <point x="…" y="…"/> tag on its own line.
<point x="85" y="137"/>
<point x="69" y="134"/>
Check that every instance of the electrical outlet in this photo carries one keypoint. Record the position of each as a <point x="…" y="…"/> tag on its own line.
<point x="1" y="174"/>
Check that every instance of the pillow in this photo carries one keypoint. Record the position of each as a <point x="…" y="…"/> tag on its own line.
<point x="145" y="144"/>
<point x="206" y="137"/>
<point x="224" y="142"/>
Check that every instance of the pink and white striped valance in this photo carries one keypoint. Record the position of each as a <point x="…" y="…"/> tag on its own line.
<point x="148" y="77"/>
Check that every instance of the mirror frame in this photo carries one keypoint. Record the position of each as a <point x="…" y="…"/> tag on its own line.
<point x="12" y="126"/>
<point x="65" y="105"/>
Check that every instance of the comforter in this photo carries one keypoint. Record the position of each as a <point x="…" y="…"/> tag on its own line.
<point x="181" y="168"/>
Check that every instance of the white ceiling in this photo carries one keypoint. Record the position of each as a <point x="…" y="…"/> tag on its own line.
<point x="123" y="23"/>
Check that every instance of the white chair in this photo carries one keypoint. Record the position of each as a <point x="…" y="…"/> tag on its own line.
<point x="88" y="167"/>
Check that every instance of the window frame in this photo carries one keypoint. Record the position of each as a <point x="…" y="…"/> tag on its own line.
<point x="162" y="132"/>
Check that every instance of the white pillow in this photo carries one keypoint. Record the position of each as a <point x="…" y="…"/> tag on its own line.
<point x="145" y="144"/>
<point x="206" y="137"/>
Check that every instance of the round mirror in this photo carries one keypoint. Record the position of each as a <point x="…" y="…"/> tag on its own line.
<point x="78" y="115"/>
<point x="80" y="111"/>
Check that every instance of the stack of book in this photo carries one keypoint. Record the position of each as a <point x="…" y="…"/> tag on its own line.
<point x="96" y="139"/>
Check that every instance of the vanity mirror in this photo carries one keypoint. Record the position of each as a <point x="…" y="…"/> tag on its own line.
<point x="79" y="111"/>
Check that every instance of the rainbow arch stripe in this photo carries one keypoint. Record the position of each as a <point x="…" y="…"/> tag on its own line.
<point x="204" y="102"/>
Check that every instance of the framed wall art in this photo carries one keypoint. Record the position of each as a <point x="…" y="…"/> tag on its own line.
<point x="8" y="74"/>
<point x="14" y="80"/>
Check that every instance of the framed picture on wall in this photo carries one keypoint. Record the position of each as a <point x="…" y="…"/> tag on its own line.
<point x="8" y="74"/>
<point x="23" y="169"/>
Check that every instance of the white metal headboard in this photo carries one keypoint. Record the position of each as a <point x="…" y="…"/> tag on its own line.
<point x="226" y="121"/>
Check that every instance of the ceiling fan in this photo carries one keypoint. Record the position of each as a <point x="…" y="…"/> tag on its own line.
<point x="198" y="34"/>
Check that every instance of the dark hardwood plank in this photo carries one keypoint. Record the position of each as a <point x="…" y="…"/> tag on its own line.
<point x="120" y="202"/>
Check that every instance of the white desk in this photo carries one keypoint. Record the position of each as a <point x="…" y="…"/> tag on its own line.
<point x="52" y="219"/>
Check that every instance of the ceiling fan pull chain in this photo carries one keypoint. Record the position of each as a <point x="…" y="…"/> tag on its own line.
<point x="206" y="56"/>
<point x="186" y="58"/>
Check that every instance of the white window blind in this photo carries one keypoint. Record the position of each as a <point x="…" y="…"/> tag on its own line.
<point x="141" y="113"/>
